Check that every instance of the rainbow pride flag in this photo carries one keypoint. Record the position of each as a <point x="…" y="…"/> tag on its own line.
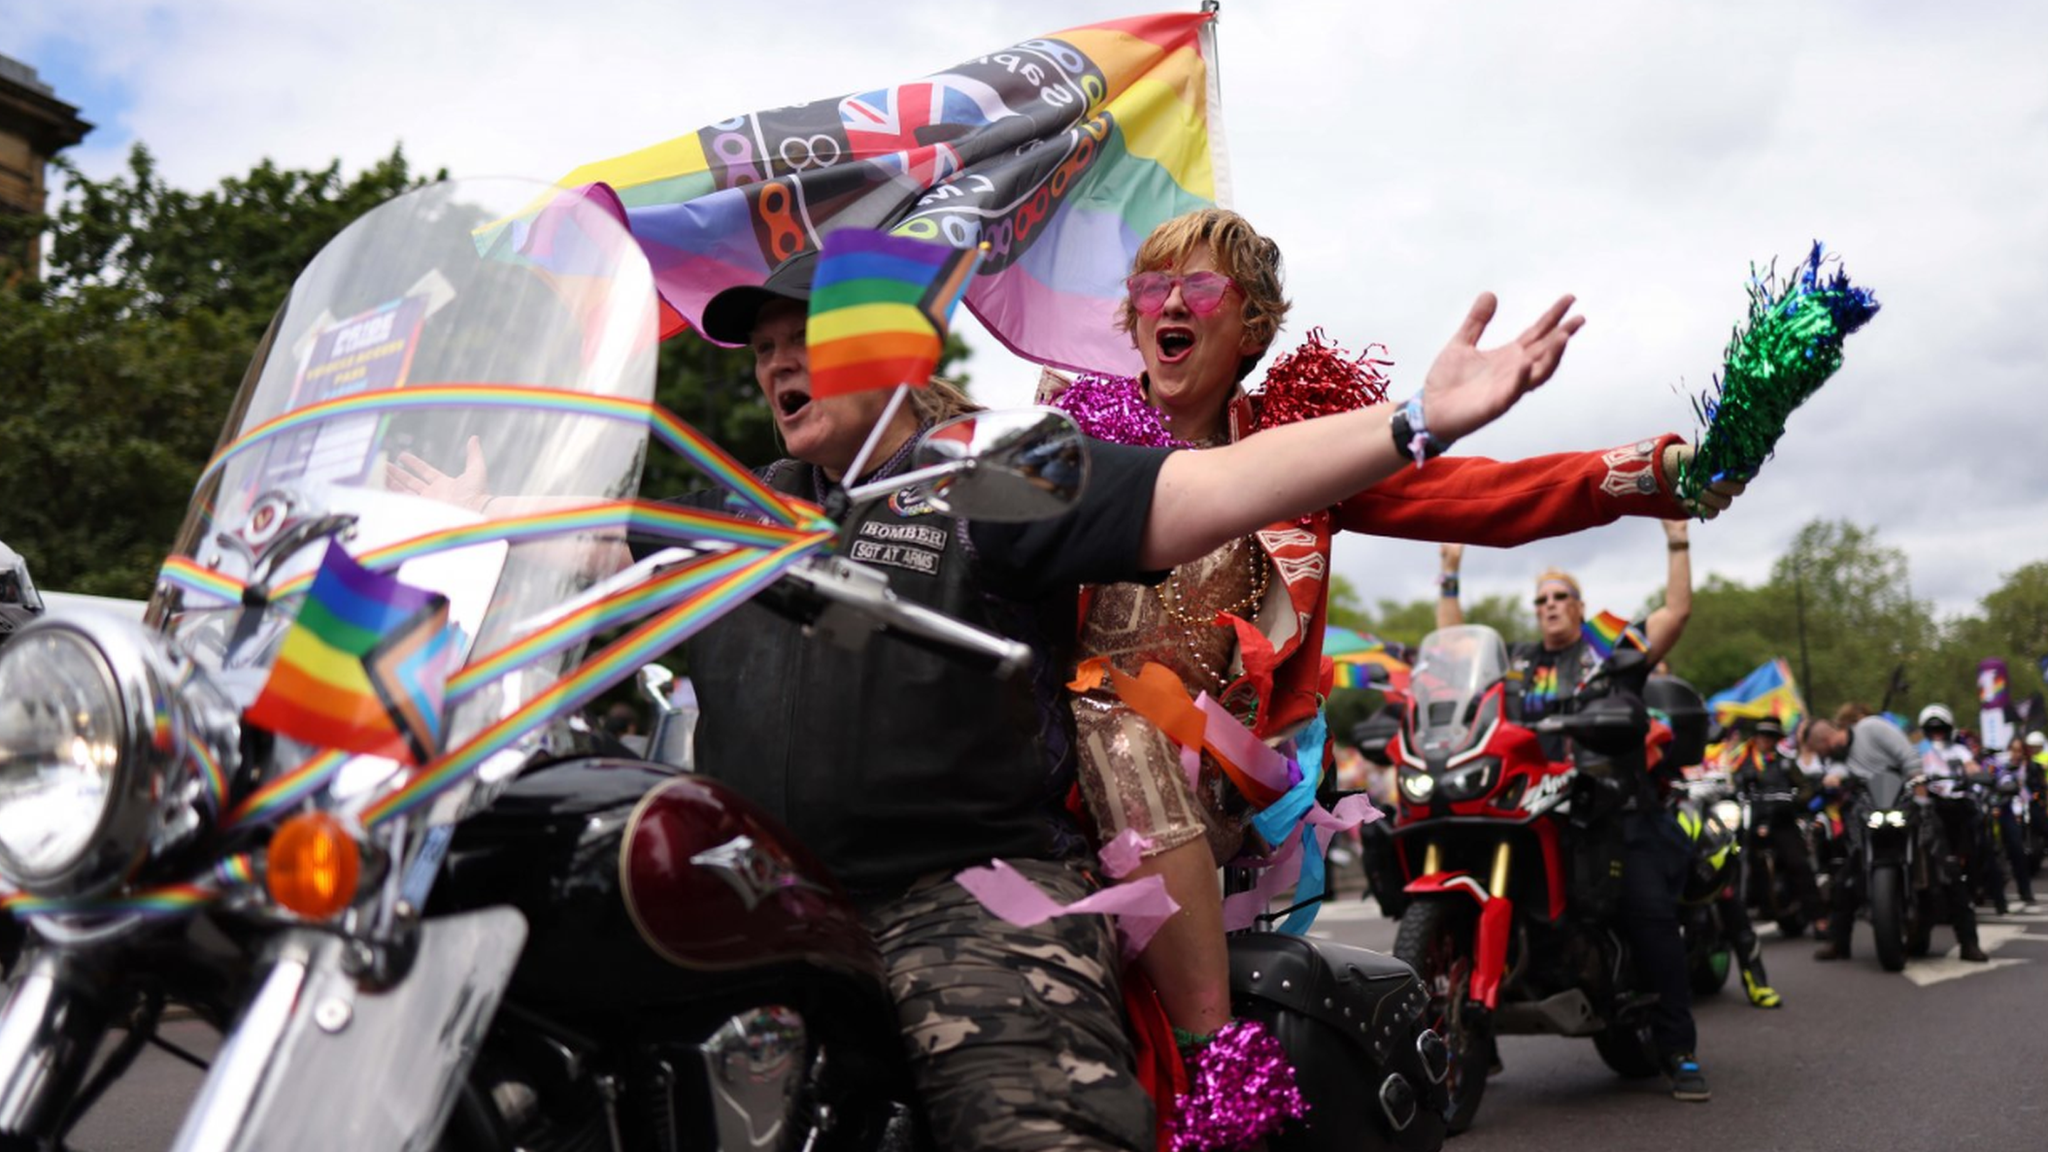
<point x="1062" y="152"/>
<point x="1604" y="631"/>
<point x="364" y="666"/>
<point x="1361" y="660"/>
<point x="879" y="309"/>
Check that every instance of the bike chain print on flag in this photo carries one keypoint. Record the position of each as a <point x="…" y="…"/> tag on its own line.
<point x="1061" y="153"/>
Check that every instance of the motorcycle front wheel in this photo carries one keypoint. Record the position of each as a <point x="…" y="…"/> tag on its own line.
<point x="1888" y="916"/>
<point x="1437" y="938"/>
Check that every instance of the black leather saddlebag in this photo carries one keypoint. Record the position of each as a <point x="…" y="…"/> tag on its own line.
<point x="1352" y="1022"/>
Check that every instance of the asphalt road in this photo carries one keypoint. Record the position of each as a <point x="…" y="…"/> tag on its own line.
<point x="1945" y="1057"/>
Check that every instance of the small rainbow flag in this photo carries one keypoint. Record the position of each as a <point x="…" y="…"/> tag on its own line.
<point x="364" y="666"/>
<point x="879" y="309"/>
<point x="1606" y="630"/>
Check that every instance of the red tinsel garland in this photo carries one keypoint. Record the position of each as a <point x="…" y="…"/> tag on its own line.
<point x="1317" y="379"/>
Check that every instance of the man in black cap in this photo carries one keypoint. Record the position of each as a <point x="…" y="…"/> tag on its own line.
<point x="1778" y="790"/>
<point x="900" y="768"/>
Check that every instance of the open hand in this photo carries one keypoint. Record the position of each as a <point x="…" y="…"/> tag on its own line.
<point x="470" y="490"/>
<point x="1467" y="388"/>
<point x="1713" y="500"/>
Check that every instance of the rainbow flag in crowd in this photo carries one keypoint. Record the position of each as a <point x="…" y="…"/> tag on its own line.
<point x="1362" y="660"/>
<point x="879" y="309"/>
<point x="1768" y="691"/>
<point x="1062" y="153"/>
<point x="1604" y="631"/>
<point x="363" y="667"/>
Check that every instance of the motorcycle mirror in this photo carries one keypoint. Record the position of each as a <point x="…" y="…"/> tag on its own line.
<point x="1005" y="466"/>
<point x="1374" y="733"/>
<point x="19" y="601"/>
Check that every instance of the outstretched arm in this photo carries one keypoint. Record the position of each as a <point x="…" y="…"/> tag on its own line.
<point x="1667" y="624"/>
<point x="1449" y="613"/>
<point x="1206" y="498"/>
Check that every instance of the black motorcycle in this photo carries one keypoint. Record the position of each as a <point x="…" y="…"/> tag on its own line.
<point x="1900" y="840"/>
<point x="519" y="944"/>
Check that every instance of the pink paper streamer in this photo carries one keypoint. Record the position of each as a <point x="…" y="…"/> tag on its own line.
<point x="1281" y="872"/>
<point x="1124" y="853"/>
<point x="1139" y="907"/>
<point x="1236" y="743"/>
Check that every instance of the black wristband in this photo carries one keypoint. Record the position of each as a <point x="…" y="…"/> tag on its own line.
<point x="1447" y="586"/>
<point x="1412" y="437"/>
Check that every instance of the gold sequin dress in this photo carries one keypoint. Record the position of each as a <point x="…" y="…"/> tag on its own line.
<point x="1131" y="773"/>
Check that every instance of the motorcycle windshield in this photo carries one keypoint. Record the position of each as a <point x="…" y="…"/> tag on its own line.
<point x="493" y="283"/>
<point x="1454" y="669"/>
<point x="1887" y="790"/>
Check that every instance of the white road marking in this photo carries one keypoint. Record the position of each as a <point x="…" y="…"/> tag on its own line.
<point x="1925" y="972"/>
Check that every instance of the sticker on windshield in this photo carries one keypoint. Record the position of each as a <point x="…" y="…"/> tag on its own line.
<point x="370" y="352"/>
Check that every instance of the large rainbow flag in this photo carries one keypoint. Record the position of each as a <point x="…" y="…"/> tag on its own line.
<point x="1768" y="691"/>
<point x="879" y="309"/>
<point x="1062" y="153"/>
<point x="364" y="666"/>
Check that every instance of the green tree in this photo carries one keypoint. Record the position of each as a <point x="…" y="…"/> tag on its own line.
<point x="123" y="360"/>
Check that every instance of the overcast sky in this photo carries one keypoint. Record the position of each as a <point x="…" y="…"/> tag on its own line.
<point x="1404" y="156"/>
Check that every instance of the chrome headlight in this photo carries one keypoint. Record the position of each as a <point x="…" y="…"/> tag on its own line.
<point x="1876" y="820"/>
<point x="83" y="729"/>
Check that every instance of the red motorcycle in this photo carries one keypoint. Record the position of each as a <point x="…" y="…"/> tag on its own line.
<point x="1511" y="860"/>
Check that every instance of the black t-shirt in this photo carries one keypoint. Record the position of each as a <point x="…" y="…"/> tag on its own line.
<point x="890" y="762"/>
<point x="1551" y="679"/>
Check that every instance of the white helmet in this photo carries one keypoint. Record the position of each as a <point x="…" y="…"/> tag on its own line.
<point x="1937" y="714"/>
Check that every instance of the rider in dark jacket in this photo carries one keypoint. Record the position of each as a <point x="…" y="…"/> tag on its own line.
<point x="1778" y="791"/>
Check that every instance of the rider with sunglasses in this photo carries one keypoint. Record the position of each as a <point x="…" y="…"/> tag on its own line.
<point x="1655" y="852"/>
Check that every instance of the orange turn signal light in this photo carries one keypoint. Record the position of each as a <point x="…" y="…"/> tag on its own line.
<point x="313" y="865"/>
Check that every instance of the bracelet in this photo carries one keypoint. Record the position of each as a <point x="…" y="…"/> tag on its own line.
<point x="1412" y="438"/>
<point x="1680" y="546"/>
<point x="1447" y="586"/>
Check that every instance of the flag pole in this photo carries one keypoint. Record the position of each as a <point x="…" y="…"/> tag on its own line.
<point x="867" y="447"/>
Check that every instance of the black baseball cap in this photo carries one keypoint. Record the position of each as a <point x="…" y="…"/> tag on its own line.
<point x="729" y="317"/>
<point x="1768" y="726"/>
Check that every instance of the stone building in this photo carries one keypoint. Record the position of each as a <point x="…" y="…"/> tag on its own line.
<point x="34" y="125"/>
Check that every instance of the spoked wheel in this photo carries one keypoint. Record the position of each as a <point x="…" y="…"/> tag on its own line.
<point x="1437" y="939"/>
<point x="1888" y="916"/>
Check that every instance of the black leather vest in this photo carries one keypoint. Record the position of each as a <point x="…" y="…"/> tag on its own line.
<point x="891" y="762"/>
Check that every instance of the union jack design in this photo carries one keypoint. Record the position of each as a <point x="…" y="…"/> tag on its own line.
<point x="910" y="128"/>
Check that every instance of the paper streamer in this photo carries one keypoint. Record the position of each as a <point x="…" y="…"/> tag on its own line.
<point x="1124" y="853"/>
<point x="1140" y="907"/>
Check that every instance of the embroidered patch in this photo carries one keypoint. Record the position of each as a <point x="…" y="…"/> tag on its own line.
<point x="911" y="502"/>
<point x="911" y="547"/>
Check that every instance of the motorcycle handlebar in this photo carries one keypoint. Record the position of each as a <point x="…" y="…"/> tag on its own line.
<point x="848" y="603"/>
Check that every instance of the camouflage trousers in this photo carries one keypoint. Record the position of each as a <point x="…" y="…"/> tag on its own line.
<point x="1016" y="1036"/>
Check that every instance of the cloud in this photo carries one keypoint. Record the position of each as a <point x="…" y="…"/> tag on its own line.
<point x="1641" y="156"/>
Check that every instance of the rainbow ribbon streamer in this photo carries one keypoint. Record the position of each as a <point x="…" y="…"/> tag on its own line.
<point x="610" y="666"/>
<point x="692" y="445"/>
<point x="210" y="772"/>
